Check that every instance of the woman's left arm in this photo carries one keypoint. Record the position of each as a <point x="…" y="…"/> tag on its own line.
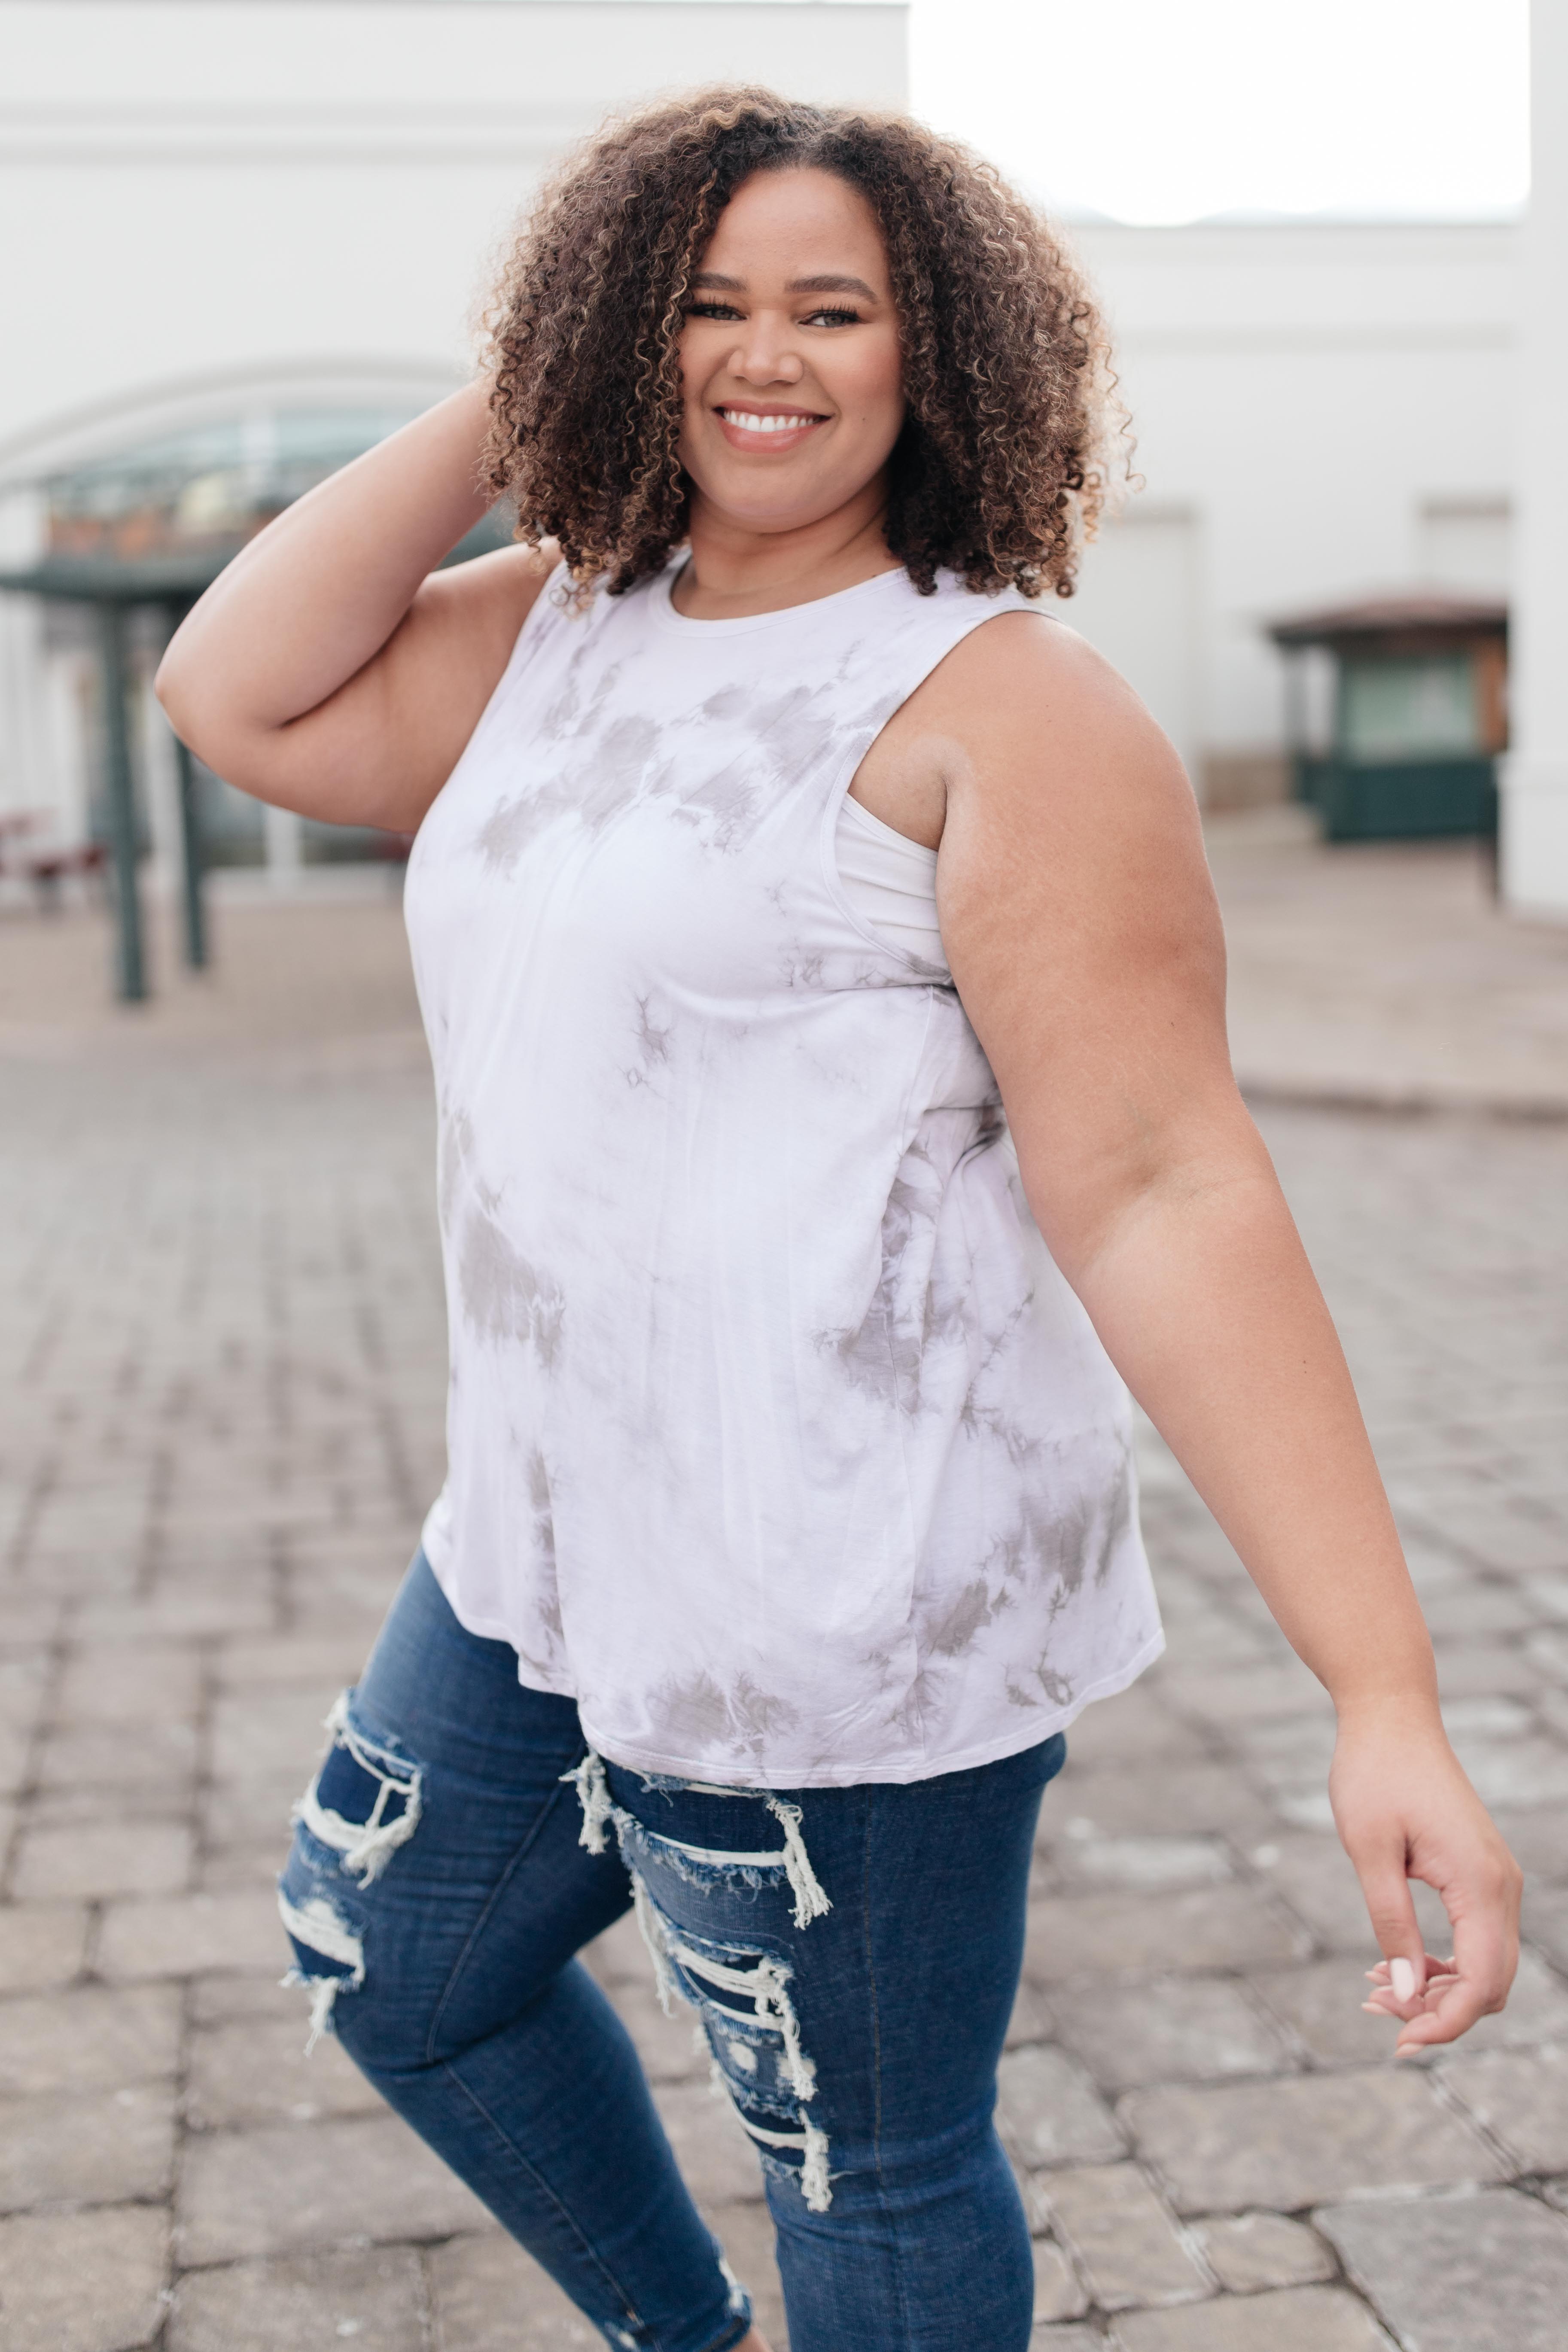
<point x="1085" y="942"/>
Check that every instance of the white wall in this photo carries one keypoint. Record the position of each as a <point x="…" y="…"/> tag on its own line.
<point x="1534" y="862"/>
<point x="1140" y="602"/>
<point x="203" y="199"/>
<point x="195" y="189"/>
<point x="204" y="204"/>
<point x="1330" y="409"/>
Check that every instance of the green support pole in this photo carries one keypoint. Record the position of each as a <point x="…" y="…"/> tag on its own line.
<point x="191" y="870"/>
<point x="121" y="803"/>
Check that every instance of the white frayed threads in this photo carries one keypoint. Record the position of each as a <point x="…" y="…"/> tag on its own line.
<point x="594" y="1796"/>
<point x="324" y="1992"/>
<point x="815" y="2181"/>
<point x="775" y="2006"/>
<point x="651" y="1929"/>
<point x="810" y="1902"/>
<point x="814" y="2186"/>
<point x="366" y="1846"/>
<point x="765" y="1985"/>
<point x="737" y="2297"/>
<point x="317" y="1925"/>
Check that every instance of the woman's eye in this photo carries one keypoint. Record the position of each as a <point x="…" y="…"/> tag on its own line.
<point x="711" y="311"/>
<point x="834" y="319"/>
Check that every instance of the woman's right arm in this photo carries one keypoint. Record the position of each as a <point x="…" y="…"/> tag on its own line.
<point x="330" y="668"/>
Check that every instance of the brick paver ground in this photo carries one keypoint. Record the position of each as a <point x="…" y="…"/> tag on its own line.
<point x="221" y="1420"/>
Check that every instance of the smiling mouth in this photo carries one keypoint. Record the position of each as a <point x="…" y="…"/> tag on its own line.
<point x="746" y="420"/>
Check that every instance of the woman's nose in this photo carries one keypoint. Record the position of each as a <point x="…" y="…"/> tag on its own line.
<point x="765" y="359"/>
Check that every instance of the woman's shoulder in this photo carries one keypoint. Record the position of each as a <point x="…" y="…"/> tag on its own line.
<point x="1022" y="657"/>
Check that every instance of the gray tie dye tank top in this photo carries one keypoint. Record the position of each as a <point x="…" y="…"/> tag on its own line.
<point x="776" y="1437"/>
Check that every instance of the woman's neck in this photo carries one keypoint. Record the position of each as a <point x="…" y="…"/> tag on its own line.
<point x="736" y="570"/>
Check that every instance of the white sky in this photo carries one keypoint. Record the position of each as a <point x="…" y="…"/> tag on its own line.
<point x="1159" y="112"/>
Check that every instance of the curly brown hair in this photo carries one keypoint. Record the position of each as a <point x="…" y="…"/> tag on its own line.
<point x="998" y="473"/>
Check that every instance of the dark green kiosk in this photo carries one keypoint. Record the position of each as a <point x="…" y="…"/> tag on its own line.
<point x="152" y="526"/>
<point x="1415" y="714"/>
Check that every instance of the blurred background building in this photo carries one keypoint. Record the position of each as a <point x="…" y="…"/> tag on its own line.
<point x="245" y="238"/>
<point x="1322" y="417"/>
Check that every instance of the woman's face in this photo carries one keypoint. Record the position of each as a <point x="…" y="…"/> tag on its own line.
<point x="790" y="371"/>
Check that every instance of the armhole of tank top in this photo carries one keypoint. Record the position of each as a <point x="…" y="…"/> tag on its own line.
<point x="529" y="631"/>
<point x="534" y="621"/>
<point x="850" y="768"/>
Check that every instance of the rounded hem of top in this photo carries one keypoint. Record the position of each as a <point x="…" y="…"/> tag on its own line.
<point x="902" y="1774"/>
<point x="663" y="613"/>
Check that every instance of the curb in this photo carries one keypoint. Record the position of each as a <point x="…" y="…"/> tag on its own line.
<point x="1403" y="1102"/>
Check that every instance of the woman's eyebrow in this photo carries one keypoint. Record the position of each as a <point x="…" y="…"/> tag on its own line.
<point x="830" y="285"/>
<point x="714" y="281"/>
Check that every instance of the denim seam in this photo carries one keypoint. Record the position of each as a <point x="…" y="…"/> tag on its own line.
<point x="906" y="2336"/>
<point x="462" y="1962"/>
<point x="719" y="2343"/>
<point x="545" y="2190"/>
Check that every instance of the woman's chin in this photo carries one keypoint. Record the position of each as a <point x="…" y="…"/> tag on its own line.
<point x="768" y="507"/>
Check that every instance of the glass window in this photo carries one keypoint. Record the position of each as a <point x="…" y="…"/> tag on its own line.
<point x="1412" y="706"/>
<point x="201" y="493"/>
<point x="211" y="487"/>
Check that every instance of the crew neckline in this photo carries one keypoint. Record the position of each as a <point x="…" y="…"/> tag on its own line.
<point x="663" y="604"/>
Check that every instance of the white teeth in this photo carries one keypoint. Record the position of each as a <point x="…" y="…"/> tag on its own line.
<point x="749" y="424"/>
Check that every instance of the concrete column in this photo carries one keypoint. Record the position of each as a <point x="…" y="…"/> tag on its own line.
<point x="284" y="835"/>
<point x="1534" y="849"/>
<point x="157" y="763"/>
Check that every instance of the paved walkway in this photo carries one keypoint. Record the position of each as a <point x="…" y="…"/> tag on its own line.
<point x="1386" y="972"/>
<point x="221" y="1419"/>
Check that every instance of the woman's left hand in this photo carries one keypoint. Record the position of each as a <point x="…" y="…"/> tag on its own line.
<point x="1404" y="1810"/>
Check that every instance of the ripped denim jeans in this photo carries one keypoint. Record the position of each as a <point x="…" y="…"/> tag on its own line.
<point x="850" y="1955"/>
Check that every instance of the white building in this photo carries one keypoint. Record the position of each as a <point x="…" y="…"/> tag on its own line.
<point x="1536" y="785"/>
<point x="236" y="222"/>
<point x="222" y="218"/>
<point x="1321" y="413"/>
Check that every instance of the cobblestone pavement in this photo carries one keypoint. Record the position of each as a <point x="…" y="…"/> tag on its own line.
<point x="223" y="1361"/>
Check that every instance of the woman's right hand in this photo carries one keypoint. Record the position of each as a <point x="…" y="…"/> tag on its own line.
<point x="1404" y="1810"/>
<point x="330" y="668"/>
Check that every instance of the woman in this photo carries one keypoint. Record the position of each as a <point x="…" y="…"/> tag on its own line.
<point x="773" y="841"/>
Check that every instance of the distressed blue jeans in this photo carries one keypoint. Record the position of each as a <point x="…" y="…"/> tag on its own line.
<point x="852" y="1954"/>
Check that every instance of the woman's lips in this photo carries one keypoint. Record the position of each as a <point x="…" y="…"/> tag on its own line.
<point x="771" y="433"/>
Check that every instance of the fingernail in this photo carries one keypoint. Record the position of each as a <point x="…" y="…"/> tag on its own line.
<point x="1402" y="1976"/>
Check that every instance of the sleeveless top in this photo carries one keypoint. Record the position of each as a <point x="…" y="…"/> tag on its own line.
<point x="890" y="882"/>
<point x="776" y="1437"/>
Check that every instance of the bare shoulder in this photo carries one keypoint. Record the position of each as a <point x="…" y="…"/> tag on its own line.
<point x="1032" y="709"/>
<point x="1070" y="830"/>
